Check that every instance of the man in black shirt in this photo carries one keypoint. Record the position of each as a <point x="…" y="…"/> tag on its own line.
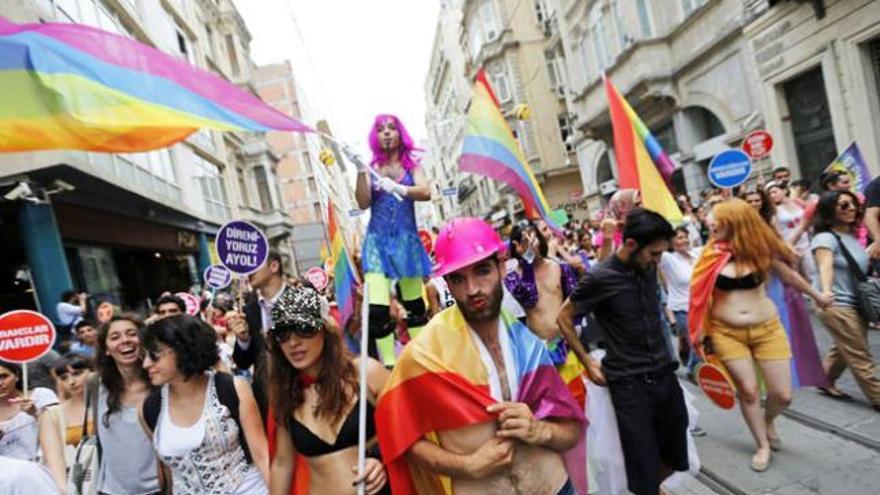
<point x="872" y="216"/>
<point x="622" y="294"/>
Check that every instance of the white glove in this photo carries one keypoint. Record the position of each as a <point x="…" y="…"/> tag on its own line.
<point x="354" y="158"/>
<point x="391" y="187"/>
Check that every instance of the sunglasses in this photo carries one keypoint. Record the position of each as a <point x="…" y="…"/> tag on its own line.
<point x="281" y="333"/>
<point x="156" y="355"/>
<point x="846" y="205"/>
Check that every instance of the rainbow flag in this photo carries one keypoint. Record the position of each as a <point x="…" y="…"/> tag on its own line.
<point x="490" y="149"/>
<point x="72" y="86"/>
<point x="853" y="163"/>
<point x="440" y="383"/>
<point x="344" y="279"/>
<point x="641" y="162"/>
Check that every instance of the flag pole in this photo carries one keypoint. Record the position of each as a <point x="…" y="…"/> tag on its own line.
<point x="362" y="404"/>
<point x="373" y="173"/>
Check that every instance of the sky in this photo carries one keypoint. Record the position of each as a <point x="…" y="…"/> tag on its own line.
<point x="353" y="58"/>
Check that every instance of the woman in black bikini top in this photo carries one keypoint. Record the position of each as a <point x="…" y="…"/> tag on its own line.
<point x="314" y="394"/>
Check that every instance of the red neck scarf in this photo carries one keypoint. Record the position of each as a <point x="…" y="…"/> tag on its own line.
<point x="306" y="380"/>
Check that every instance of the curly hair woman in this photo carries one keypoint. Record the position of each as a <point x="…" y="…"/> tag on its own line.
<point x="128" y="464"/>
<point x="729" y="306"/>
<point x="315" y="398"/>
<point x="206" y="427"/>
<point x="837" y="219"/>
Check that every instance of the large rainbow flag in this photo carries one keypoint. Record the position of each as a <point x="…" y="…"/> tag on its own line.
<point x="490" y="149"/>
<point x="344" y="278"/>
<point x="440" y="383"/>
<point x="72" y="86"/>
<point x="641" y="162"/>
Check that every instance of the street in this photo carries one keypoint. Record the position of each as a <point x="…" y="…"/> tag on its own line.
<point x="829" y="447"/>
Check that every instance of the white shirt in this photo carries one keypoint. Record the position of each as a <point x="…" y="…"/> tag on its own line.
<point x="68" y="314"/>
<point x="677" y="270"/>
<point x="489" y="363"/>
<point x="265" y="314"/>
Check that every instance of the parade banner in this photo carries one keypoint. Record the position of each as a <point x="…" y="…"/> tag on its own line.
<point x="729" y="168"/>
<point x="852" y="162"/>
<point x="716" y="385"/>
<point x="242" y="247"/>
<point x="191" y="301"/>
<point x="72" y="86"/>
<point x="317" y="277"/>
<point x="217" y="277"/>
<point x="25" y="336"/>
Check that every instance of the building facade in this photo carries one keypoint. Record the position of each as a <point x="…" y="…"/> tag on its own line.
<point x="703" y="73"/>
<point x="518" y="46"/>
<point x="126" y="227"/>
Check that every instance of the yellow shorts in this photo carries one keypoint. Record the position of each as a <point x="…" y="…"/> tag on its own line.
<point x="765" y="341"/>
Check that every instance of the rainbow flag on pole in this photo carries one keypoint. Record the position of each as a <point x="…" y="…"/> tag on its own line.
<point x="641" y="162"/>
<point x="490" y="149"/>
<point x="72" y="86"/>
<point x="344" y="278"/>
<point x="440" y="383"/>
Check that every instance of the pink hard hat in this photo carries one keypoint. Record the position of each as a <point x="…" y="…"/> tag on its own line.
<point x="464" y="241"/>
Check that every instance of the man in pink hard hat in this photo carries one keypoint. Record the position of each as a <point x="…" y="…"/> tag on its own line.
<point x="499" y="419"/>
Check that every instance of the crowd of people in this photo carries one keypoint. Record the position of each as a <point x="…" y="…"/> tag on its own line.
<point x="526" y="359"/>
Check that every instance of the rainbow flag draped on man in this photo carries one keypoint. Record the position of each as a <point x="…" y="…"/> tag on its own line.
<point x="440" y="383"/>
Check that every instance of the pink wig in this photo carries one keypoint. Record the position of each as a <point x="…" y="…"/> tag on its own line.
<point x="407" y="148"/>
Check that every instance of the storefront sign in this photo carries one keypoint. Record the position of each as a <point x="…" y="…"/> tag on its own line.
<point x="217" y="277"/>
<point x="729" y="169"/>
<point x="191" y="301"/>
<point x="25" y="335"/>
<point x="317" y="277"/>
<point x="758" y="144"/>
<point x="242" y="247"/>
<point x="716" y="386"/>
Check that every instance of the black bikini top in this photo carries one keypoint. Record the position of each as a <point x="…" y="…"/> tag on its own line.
<point x="310" y="445"/>
<point x="751" y="281"/>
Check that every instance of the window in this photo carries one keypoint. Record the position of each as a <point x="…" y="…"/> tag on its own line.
<point x="618" y="25"/>
<point x="586" y="60"/>
<point x="556" y="71"/>
<point x="688" y="6"/>
<point x="213" y="187"/>
<point x="475" y="39"/>
<point x="183" y="47"/>
<point x="489" y="19"/>
<point x="603" y="58"/>
<point x="318" y="211"/>
<point x="263" y="191"/>
<point x="162" y="166"/>
<point x="313" y="187"/>
<point x="499" y="81"/>
<point x="242" y="186"/>
<point x="665" y="134"/>
<point x="566" y="131"/>
<point x="233" y="55"/>
<point x="644" y="18"/>
<point x="541" y="11"/>
<point x="874" y="54"/>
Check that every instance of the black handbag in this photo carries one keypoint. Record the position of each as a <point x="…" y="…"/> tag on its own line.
<point x="867" y="287"/>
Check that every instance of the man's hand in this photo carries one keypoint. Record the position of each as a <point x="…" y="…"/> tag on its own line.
<point x="594" y="373"/>
<point x="516" y="420"/>
<point x="874" y="250"/>
<point x="492" y="457"/>
<point x="609" y="227"/>
<point x="237" y="324"/>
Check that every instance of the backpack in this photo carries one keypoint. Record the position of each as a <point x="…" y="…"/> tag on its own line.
<point x="225" y="384"/>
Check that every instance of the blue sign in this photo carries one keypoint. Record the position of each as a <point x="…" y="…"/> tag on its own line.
<point x="450" y="191"/>
<point x="242" y="247"/>
<point x="729" y="168"/>
<point x="355" y="213"/>
<point x="217" y="277"/>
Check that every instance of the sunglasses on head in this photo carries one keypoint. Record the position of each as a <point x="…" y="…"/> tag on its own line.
<point x="283" y="332"/>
